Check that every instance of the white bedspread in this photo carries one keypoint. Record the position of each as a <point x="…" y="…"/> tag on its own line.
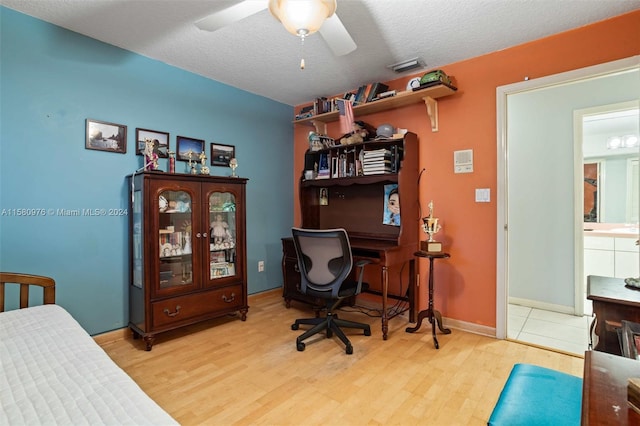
<point x="53" y="372"/>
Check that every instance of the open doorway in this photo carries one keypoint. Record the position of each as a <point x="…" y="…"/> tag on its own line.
<point x="540" y="206"/>
<point x="606" y="138"/>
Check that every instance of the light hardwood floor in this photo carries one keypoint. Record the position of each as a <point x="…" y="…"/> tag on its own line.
<point x="229" y="372"/>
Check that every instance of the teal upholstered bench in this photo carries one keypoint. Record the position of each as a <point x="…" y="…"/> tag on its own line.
<point x="538" y="396"/>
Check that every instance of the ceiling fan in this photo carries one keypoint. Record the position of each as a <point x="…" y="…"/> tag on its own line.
<point x="299" y="17"/>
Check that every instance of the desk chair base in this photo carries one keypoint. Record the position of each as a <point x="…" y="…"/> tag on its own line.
<point x="332" y="324"/>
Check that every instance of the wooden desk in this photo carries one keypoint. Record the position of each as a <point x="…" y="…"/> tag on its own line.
<point x="430" y="313"/>
<point x="382" y="254"/>
<point x="612" y="303"/>
<point x="387" y="255"/>
<point x="604" y="389"/>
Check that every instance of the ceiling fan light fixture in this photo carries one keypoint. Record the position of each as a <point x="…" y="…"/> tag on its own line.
<point x="302" y="17"/>
<point x="408" y="65"/>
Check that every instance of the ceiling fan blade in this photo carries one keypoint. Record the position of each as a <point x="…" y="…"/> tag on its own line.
<point x="337" y="36"/>
<point x="231" y="14"/>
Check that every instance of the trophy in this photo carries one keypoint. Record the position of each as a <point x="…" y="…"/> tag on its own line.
<point x="192" y="166"/>
<point x="430" y="226"/>
<point x="204" y="170"/>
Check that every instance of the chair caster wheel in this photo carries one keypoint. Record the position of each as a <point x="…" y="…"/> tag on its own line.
<point x="329" y="334"/>
<point x="300" y="346"/>
<point x="367" y="332"/>
<point x="349" y="350"/>
<point x="295" y="326"/>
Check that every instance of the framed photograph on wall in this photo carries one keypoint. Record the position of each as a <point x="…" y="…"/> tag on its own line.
<point x="185" y="145"/>
<point x="160" y="142"/>
<point x="222" y="154"/>
<point x="105" y="136"/>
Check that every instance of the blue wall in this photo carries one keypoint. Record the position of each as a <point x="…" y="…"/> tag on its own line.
<point x="51" y="81"/>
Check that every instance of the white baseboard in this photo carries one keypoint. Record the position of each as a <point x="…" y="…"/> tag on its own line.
<point x="569" y="310"/>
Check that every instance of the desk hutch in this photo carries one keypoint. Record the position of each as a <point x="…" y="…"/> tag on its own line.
<point x="356" y="203"/>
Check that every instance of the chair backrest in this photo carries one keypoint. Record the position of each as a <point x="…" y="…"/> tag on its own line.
<point x="25" y="280"/>
<point x="324" y="259"/>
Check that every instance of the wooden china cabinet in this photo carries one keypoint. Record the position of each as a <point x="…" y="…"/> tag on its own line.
<point x="187" y="251"/>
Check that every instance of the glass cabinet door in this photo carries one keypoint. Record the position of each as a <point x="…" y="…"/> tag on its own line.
<point x="175" y="227"/>
<point x="136" y="239"/>
<point x="222" y="235"/>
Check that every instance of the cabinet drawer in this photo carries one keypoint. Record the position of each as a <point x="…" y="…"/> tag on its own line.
<point x="182" y="308"/>
<point x="599" y="262"/>
<point x="626" y="244"/>
<point x="626" y="264"/>
<point x="598" y="243"/>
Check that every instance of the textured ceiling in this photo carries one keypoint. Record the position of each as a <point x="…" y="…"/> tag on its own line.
<point x="259" y="56"/>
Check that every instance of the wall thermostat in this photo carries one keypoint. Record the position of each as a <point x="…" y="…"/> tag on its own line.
<point x="463" y="161"/>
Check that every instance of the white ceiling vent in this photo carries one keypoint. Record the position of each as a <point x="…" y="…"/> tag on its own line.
<point x="408" y="65"/>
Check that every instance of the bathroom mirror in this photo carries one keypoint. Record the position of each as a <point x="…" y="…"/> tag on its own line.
<point x="610" y="152"/>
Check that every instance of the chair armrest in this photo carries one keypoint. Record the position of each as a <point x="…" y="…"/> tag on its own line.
<point x="361" y="264"/>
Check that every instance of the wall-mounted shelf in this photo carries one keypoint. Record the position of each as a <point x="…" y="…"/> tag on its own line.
<point x="402" y="99"/>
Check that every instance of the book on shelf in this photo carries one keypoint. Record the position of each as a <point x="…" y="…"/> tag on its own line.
<point x="384" y="95"/>
<point x="376" y="172"/>
<point x="324" y="169"/>
<point x="377" y="154"/>
<point x="378" y="163"/>
<point x="387" y="155"/>
<point x="369" y="159"/>
<point x="376" y="151"/>
<point x="360" y="95"/>
<point x="376" y="89"/>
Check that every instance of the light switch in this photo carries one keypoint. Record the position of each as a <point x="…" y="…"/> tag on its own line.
<point x="483" y="195"/>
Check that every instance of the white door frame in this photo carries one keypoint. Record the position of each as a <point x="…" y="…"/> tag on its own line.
<point x="502" y="92"/>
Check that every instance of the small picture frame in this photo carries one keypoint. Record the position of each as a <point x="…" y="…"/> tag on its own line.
<point x="160" y="142"/>
<point x="221" y="154"/>
<point x="324" y="196"/>
<point x="105" y="136"/>
<point x="184" y="145"/>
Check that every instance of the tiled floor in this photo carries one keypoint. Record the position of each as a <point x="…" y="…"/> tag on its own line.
<point x="568" y="333"/>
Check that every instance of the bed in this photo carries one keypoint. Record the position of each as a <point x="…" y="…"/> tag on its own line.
<point x="53" y="372"/>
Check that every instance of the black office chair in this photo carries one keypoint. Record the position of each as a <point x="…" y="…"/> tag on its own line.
<point x="325" y="262"/>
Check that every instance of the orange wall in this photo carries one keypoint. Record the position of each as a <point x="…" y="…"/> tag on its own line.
<point x="466" y="283"/>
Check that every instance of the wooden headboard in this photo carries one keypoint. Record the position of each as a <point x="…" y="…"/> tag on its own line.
<point x="25" y="280"/>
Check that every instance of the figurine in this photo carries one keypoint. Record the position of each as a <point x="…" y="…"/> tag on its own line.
<point x="150" y="156"/>
<point x="187" y="244"/>
<point x="233" y="163"/>
<point x="220" y="230"/>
